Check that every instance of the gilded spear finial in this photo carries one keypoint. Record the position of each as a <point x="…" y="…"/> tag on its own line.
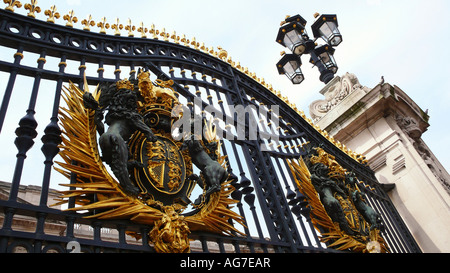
<point x="154" y="32"/>
<point x="103" y="25"/>
<point x="117" y="27"/>
<point x="32" y="7"/>
<point x="175" y="38"/>
<point x="70" y="18"/>
<point x="130" y="28"/>
<point x="12" y="4"/>
<point x="142" y="30"/>
<point x="184" y="40"/>
<point x="52" y="14"/>
<point x="194" y="43"/>
<point x="88" y="23"/>
<point x="165" y="35"/>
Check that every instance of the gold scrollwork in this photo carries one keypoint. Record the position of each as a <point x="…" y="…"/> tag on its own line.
<point x="170" y="234"/>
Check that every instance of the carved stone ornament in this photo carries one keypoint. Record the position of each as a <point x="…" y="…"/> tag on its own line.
<point x="411" y="128"/>
<point x="153" y="173"/>
<point x="338" y="207"/>
<point x="335" y="92"/>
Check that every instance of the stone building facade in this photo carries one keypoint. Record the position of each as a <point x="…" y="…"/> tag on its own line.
<point x="385" y="125"/>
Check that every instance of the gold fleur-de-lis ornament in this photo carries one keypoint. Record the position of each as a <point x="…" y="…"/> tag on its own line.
<point x="12" y="4"/>
<point x="88" y="22"/>
<point x="103" y="25"/>
<point x="130" y="28"/>
<point x="142" y="30"/>
<point x="52" y="14"/>
<point x="32" y="8"/>
<point x="117" y="27"/>
<point x="70" y="18"/>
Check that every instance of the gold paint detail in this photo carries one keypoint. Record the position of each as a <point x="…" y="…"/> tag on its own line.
<point x="12" y="4"/>
<point x="88" y="23"/>
<point x="18" y="54"/>
<point x="333" y="235"/>
<point x="170" y="234"/>
<point x="103" y="25"/>
<point x="32" y="8"/>
<point x="170" y="230"/>
<point x="70" y="18"/>
<point x="52" y="14"/>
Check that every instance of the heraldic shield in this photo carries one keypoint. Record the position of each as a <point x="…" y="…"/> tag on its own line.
<point x="163" y="173"/>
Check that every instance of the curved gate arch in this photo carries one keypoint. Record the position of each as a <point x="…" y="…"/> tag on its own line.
<point x="266" y="189"/>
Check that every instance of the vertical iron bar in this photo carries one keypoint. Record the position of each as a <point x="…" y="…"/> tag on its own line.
<point x="18" y="56"/>
<point x="390" y="225"/>
<point x="97" y="225"/>
<point x="221" y="246"/>
<point x="204" y="242"/>
<point x="26" y="131"/>
<point x="39" y="233"/>
<point x="121" y="229"/>
<point x="82" y="69"/>
<point x="70" y="221"/>
<point x="117" y="71"/>
<point x="289" y="189"/>
<point x="100" y="69"/>
<point x="52" y="137"/>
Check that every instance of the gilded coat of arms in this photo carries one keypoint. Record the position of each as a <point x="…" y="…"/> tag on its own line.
<point x="152" y="173"/>
<point x="337" y="206"/>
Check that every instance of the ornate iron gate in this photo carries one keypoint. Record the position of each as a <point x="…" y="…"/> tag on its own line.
<point x="269" y="199"/>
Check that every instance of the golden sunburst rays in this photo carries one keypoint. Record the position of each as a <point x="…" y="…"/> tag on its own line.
<point x="216" y="214"/>
<point x="331" y="232"/>
<point x="302" y="178"/>
<point x="81" y="160"/>
<point x="341" y="241"/>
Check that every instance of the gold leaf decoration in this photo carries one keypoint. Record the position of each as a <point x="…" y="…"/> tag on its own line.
<point x="79" y="144"/>
<point x="81" y="159"/>
<point x="331" y="233"/>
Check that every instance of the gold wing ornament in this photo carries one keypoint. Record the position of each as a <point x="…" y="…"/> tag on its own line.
<point x="331" y="233"/>
<point x="81" y="156"/>
<point x="81" y="160"/>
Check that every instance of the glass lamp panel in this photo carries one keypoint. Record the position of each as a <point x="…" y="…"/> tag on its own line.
<point x="325" y="57"/>
<point x="328" y="61"/>
<point x="327" y="28"/>
<point x="332" y="65"/>
<point x="298" y="78"/>
<point x="335" y="40"/>
<point x="330" y="33"/>
<point x="289" y="68"/>
<point x="292" y="39"/>
<point x="293" y="71"/>
<point x="299" y="49"/>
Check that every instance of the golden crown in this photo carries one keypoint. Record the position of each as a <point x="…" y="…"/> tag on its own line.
<point x="124" y="84"/>
<point x="144" y="76"/>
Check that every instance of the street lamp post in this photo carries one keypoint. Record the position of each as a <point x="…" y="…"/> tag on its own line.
<point x="292" y="34"/>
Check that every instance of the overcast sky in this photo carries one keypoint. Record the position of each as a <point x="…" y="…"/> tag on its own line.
<point x="404" y="41"/>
